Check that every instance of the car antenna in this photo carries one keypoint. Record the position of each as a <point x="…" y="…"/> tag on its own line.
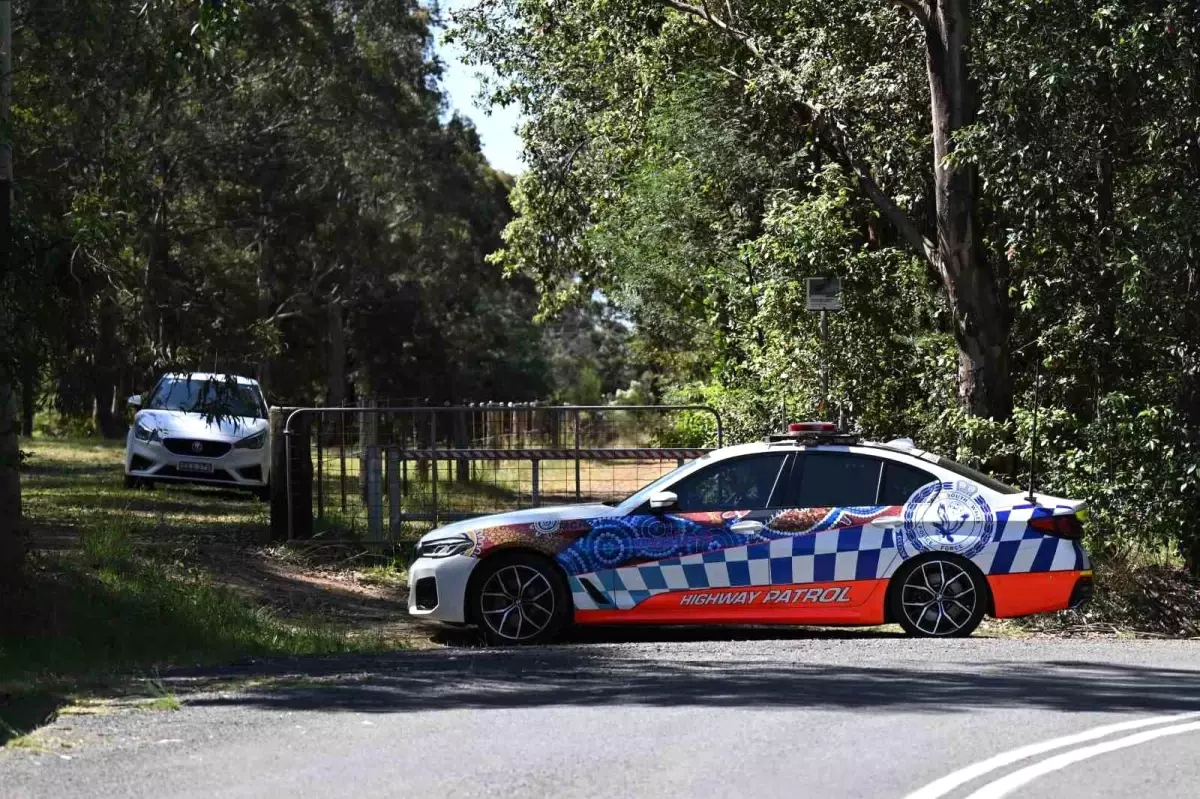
<point x="1033" y="439"/>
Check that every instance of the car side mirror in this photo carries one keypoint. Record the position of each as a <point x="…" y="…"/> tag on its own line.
<point x="135" y="400"/>
<point x="663" y="500"/>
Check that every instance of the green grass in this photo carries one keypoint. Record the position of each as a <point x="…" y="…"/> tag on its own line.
<point x="393" y="573"/>
<point x="118" y="594"/>
<point x="72" y="484"/>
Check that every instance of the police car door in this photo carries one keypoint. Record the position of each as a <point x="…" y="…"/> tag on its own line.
<point x="837" y="555"/>
<point x="720" y="511"/>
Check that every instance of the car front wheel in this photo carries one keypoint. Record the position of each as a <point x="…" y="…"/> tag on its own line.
<point x="520" y="599"/>
<point x="939" y="597"/>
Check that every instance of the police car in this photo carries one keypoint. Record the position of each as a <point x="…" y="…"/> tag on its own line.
<point x="808" y="527"/>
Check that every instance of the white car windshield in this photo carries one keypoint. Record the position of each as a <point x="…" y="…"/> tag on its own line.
<point x="212" y="396"/>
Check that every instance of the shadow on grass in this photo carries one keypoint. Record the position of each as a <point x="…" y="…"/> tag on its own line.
<point x="66" y="471"/>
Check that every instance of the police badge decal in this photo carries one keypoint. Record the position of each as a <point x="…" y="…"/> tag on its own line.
<point x="946" y="517"/>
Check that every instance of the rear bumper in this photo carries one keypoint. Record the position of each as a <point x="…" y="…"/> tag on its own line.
<point x="1038" y="592"/>
<point x="1081" y="594"/>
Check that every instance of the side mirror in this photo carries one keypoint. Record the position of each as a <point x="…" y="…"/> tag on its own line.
<point x="663" y="500"/>
<point x="135" y="400"/>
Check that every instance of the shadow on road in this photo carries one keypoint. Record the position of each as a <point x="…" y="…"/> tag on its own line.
<point x="924" y="681"/>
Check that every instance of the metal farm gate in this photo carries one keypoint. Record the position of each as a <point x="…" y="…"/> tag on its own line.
<point x="385" y="475"/>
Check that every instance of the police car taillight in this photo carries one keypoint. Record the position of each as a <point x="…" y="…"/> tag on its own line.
<point x="1066" y="525"/>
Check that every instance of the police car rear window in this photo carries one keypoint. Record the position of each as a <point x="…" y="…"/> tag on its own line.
<point x="984" y="480"/>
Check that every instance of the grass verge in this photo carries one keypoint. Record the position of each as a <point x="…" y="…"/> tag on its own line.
<point x="106" y="613"/>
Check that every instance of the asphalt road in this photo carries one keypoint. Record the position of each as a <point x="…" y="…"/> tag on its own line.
<point x="784" y="713"/>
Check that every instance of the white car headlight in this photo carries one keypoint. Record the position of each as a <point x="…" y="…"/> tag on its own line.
<point x="143" y="433"/>
<point x="256" y="441"/>
<point x="445" y="547"/>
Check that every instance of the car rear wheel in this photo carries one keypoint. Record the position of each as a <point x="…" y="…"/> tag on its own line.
<point x="520" y="599"/>
<point x="939" y="597"/>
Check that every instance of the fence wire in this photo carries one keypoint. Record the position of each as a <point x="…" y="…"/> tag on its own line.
<point x="391" y="474"/>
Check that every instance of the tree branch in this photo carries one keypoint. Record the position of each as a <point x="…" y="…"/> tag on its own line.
<point x="702" y="12"/>
<point x="918" y="9"/>
<point x="829" y="133"/>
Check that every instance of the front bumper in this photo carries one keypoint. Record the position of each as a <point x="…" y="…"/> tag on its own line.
<point x="151" y="460"/>
<point x="437" y="587"/>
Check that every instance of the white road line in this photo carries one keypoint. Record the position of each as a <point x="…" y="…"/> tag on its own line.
<point x="946" y="784"/>
<point x="1008" y="784"/>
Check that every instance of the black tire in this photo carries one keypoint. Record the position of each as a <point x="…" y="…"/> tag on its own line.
<point x="938" y="596"/>
<point x="263" y="493"/>
<point x="138" y="483"/>
<point x="527" y="585"/>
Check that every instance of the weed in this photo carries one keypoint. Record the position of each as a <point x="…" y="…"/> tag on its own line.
<point x="164" y="699"/>
<point x="163" y="703"/>
<point x="392" y="575"/>
<point x="108" y="542"/>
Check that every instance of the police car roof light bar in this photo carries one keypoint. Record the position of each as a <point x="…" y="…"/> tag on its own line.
<point x="814" y="433"/>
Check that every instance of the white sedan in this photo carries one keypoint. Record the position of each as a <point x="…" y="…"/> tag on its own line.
<point x="200" y="428"/>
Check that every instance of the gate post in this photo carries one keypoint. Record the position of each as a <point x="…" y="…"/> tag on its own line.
<point x="291" y="482"/>
<point x="393" y="492"/>
<point x="372" y="490"/>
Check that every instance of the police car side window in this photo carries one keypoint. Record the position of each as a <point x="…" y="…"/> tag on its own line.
<point x="741" y="484"/>
<point x="900" y="482"/>
<point x="834" y="480"/>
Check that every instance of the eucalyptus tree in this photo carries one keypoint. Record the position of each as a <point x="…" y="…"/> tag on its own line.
<point x="843" y="76"/>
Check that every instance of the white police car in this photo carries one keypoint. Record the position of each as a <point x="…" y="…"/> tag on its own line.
<point x="809" y="527"/>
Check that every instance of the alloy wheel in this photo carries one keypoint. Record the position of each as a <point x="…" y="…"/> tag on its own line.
<point x="517" y="602"/>
<point x="939" y="598"/>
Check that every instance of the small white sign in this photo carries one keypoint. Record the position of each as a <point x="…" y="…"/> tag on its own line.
<point x="824" y="294"/>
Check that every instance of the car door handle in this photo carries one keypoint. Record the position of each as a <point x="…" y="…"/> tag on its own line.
<point x="747" y="526"/>
<point x="888" y="521"/>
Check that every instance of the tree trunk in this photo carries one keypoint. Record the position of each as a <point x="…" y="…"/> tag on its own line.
<point x="266" y="293"/>
<point x="335" y="365"/>
<point x="12" y="546"/>
<point x="104" y="377"/>
<point x="979" y="315"/>
<point x="29" y="376"/>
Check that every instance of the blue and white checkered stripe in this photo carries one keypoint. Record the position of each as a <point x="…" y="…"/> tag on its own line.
<point x="1017" y="548"/>
<point x="851" y="553"/>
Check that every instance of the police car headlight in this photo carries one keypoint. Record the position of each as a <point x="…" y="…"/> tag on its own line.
<point x="445" y="547"/>
<point x="143" y="433"/>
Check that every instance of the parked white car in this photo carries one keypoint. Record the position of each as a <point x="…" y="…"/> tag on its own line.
<point x="200" y="428"/>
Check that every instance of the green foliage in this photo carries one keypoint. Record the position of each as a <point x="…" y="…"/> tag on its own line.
<point x="266" y="188"/>
<point x="673" y="171"/>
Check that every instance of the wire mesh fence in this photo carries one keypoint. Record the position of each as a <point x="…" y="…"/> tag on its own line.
<point x="389" y="474"/>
